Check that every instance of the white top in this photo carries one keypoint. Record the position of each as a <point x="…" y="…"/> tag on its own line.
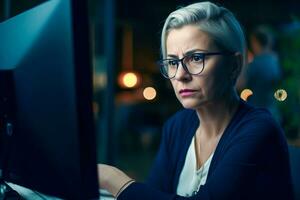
<point x="190" y="178"/>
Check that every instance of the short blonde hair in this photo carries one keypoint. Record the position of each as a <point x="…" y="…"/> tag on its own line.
<point x="217" y="21"/>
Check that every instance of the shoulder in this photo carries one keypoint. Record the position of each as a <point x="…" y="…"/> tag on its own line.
<point x="182" y="120"/>
<point x="258" y="117"/>
<point x="254" y="137"/>
<point x="257" y="123"/>
<point x="181" y="125"/>
<point x="181" y="116"/>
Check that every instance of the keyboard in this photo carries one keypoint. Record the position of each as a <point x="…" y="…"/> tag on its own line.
<point x="34" y="195"/>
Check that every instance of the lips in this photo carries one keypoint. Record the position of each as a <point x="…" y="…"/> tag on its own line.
<point x="187" y="92"/>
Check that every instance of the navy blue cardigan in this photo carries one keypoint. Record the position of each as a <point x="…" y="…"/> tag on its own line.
<point x="250" y="162"/>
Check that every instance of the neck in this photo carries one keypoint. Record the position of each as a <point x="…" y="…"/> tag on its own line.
<point x="215" y="116"/>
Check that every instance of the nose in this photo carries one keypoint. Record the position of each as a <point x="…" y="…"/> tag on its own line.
<point x="182" y="74"/>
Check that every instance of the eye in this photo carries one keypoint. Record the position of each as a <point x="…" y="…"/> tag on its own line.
<point x="197" y="57"/>
<point x="172" y="63"/>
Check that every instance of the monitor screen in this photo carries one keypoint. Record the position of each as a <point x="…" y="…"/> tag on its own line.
<point x="47" y="138"/>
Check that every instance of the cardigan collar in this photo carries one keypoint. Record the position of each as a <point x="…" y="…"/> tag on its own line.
<point x="194" y="124"/>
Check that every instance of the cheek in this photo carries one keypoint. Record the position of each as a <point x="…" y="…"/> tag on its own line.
<point x="220" y="83"/>
<point x="217" y="82"/>
<point x="208" y="87"/>
<point x="174" y="86"/>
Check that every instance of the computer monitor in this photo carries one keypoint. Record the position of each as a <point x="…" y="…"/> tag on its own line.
<point x="47" y="139"/>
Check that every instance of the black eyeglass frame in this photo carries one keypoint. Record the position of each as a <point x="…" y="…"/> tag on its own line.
<point x="203" y="54"/>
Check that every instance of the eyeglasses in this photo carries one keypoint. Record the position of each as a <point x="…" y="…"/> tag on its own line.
<point x="192" y="63"/>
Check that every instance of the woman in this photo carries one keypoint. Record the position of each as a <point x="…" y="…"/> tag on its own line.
<point x="217" y="147"/>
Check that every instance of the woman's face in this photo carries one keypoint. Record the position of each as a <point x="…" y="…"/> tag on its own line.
<point x="194" y="91"/>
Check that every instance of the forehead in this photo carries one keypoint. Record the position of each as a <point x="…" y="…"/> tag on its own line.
<point x="188" y="38"/>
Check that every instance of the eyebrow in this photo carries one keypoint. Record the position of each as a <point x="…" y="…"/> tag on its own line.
<point x="187" y="53"/>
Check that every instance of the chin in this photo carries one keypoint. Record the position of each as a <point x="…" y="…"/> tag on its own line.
<point x="191" y="104"/>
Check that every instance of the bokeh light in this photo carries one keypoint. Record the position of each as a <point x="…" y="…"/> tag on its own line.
<point x="149" y="93"/>
<point x="129" y="79"/>
<point x="280" y="95"/>
<point x="246" y="93"/>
